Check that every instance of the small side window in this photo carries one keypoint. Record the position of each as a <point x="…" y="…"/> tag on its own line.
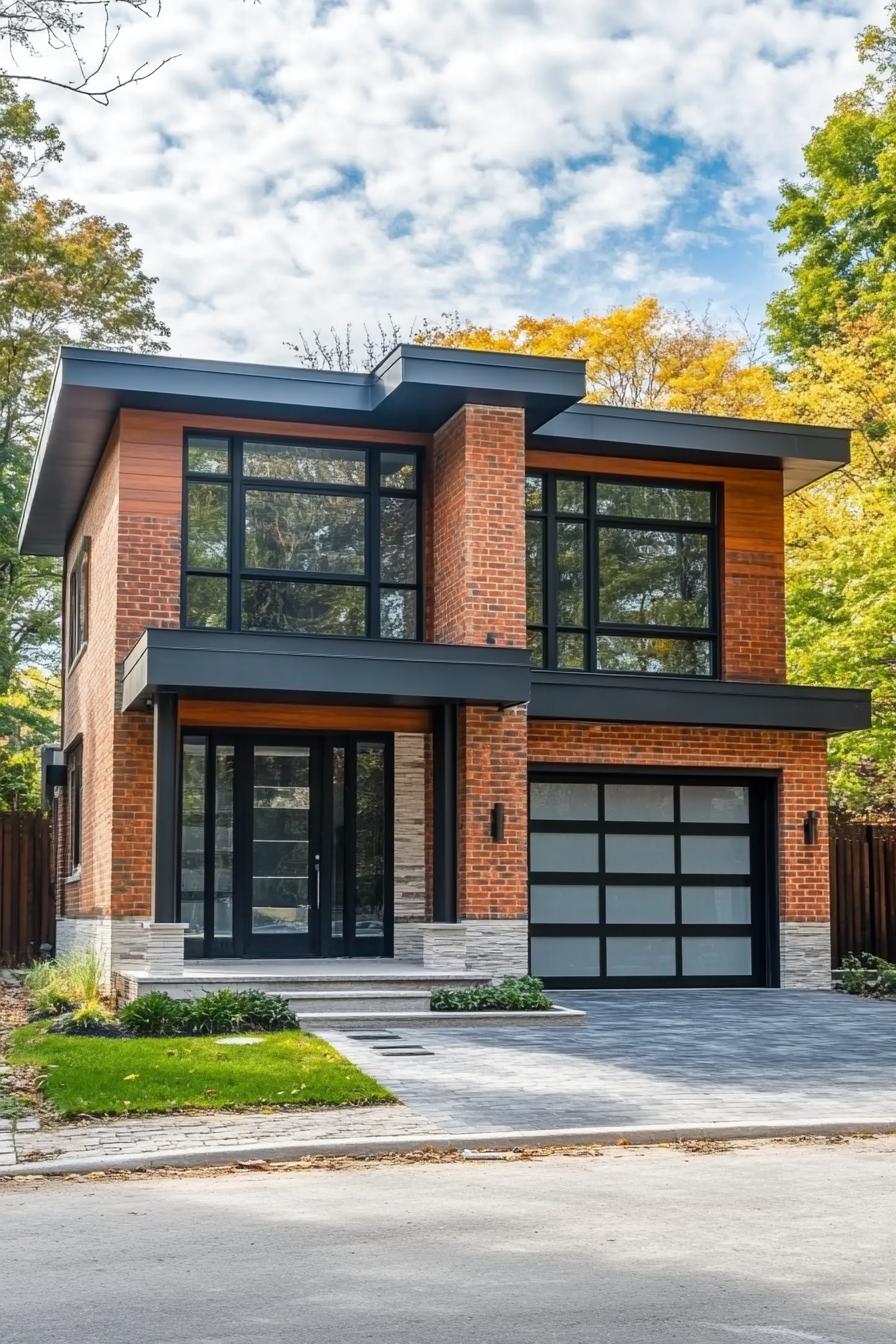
<point x="74" y="809"/>
<point x="77" y="601"/>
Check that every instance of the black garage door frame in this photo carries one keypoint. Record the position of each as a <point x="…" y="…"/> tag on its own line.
<point x="763" y="832"/>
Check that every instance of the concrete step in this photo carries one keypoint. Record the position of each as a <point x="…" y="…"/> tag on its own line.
<point x="353" y="1001"/>
<point x="189" y="986"/>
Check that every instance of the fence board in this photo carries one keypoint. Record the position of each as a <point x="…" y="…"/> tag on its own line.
<point x="27" y="906"/>
<point x="863" y="891"/>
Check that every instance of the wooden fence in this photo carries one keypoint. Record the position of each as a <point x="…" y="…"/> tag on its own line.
<point x="863" y="891"/>
<point x="27" y="910"/>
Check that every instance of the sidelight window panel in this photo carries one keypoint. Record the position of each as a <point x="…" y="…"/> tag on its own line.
<point x="301" y="538"/>
<point x="621" y="576"/>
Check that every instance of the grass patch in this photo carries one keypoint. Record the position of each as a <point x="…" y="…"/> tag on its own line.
<point x="92" y="1076"/>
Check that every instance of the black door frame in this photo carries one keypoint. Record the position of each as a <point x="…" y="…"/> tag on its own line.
<point x="320" y="941"/>
<point x="763" y="863"/>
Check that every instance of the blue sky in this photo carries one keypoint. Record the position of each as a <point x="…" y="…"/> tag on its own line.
<point x="307" y="163"/>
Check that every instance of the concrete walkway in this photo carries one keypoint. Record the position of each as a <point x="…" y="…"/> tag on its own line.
<point x="647" y="1065"/>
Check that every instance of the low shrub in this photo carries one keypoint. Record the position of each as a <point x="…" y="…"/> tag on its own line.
<point x="91" y="1019"/>
<point x="870" y="976"/>
<point x="220" y="1013"/>
<point x="70" y="981"/>
<point x="515" y="994"/>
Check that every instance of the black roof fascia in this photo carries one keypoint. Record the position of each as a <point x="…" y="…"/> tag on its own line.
<point x="217" y="664"/>
<point x="414" y="388"/>
<point x="804" y="453"/>
<point x="607" y="698"/>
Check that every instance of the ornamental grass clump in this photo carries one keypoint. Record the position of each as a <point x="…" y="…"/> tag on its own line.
<point x="69" y="982"/>
<point x="515" y="994"/>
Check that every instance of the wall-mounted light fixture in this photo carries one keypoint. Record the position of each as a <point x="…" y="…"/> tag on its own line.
<point x="497" y="821"/>
<point x="810" y="828"/>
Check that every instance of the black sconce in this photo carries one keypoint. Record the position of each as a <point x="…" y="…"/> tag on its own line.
<point x="497" y="821"/>
<point x="810" y="828"/>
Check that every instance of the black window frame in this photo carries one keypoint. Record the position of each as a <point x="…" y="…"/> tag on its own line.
<point x="549" y="628"/>
<point x="77" y="600"/>
<point x="74" y="762"/>
<point x="238" y="483"/>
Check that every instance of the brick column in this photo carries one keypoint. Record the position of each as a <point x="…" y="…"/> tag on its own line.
<point x="480" y="599"/>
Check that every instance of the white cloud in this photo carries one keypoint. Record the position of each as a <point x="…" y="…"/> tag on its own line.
<point x="305" y="163"/>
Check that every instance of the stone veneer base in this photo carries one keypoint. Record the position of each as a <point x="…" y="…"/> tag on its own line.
<point x="805" y="955"/>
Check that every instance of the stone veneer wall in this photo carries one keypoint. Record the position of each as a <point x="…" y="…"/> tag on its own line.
<point x="805" y="955"/>
<point x="410" y="845"/>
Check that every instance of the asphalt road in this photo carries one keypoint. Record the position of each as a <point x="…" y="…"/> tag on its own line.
<point x="779" y="1242"/>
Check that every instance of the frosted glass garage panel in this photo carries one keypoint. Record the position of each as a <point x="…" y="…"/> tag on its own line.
<point x="569" y="852"/>
<point x="639" y="802"/>
<point x="565" y="956"/>
<point x="715" y="854"/>
<point x="727" y="804"/>
<point x="716" y="905"/>
<point x="640" y="956"/>
<point x="716" y="956"/>
<point x="555" y="904"/>
<point x="640" y="905"/>
<point x="556" y="801"/>
<point x="640" y="854"/>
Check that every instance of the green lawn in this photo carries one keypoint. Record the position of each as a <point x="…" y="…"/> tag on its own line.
<point x="85" y="1075"/>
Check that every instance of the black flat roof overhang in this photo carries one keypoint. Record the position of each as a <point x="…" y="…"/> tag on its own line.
<point x="414" y="388"/>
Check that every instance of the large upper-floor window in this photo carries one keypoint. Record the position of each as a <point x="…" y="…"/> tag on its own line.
<point x="302" y="537"/>
<point x="622" y="575"/>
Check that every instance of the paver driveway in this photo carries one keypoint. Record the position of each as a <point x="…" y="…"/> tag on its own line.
<point x="645" y="1057"/>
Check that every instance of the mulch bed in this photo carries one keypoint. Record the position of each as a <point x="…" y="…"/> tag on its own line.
<point x="20" y="1082"/>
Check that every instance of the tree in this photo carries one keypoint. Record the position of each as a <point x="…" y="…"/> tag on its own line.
<point x="66" y="277"/>
<point x="645" y="355"/>
<point x="838" y="220"/>
<point x="34" y="28"/>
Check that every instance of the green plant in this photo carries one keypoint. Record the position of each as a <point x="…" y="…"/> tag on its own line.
<point x="155" y="1014"/>
<point x="69" y="981"/>
<point x="266" y="1012"/>
<point x="515" y="994"/>
<point x="870" y="976"/>
<point x="92" y="1018"/>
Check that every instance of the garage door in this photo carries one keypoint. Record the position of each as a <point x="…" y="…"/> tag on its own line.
<point x="646" y="882"/>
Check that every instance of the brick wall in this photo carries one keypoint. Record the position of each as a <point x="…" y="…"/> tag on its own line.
<point x="799" y="759"/>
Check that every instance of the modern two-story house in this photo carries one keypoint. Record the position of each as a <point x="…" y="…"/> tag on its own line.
<point x="437" y="663"/>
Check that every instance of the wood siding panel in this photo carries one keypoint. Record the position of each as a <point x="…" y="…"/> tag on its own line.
<point x="283" y="717"/>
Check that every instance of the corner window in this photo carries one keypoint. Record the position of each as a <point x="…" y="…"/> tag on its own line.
<point x="74" y="809"/>
<point x="301" y="537"/>
<point x="622" y="575"/>
<point x="77" y="601"/>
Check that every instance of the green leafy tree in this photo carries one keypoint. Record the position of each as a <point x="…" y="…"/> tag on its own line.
<point x="66" y="277"/>
<point x="838" y="221"/>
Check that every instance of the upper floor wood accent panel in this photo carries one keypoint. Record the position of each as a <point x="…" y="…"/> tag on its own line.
<point x="282" y="717"/>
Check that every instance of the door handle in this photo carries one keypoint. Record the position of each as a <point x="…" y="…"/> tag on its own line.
<point x="317" y="883"/>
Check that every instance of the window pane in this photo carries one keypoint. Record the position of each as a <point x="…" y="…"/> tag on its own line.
<point x="303" y="608"/>
<point x="715" y="854"/>
<point x="570" y="496"/>
<point x="716" y="956"/>
<point x="629" y="500"/>
<point x="534" y="571"/>
<point x="224" y="842"/>
<point x="321" y="534"/>
<point x="571" y="652"/>
<point x="398" y="613"/>
<point x="398" y="540"/>
<point x="206" y="601"/>
<point x="398" y="471"/>
<point x="370" y="837"/>
<point x="716" y="905"/>
<point x="535" y="644"/>
<point x="654" y="653"/>
<point x="715" y="802"/>
<point x="534" y="494"/>
<point x="315" y="463"/>
<point x="552" y="957"/>
<point x="192" y="837"/>
<point x="563" y="802"/>
<point x="640" y="854"/>
<point x="564" y="905"/>
<point x="640" y="956"/>
<point x="570" y="573"/>
<point x="653" y="578"/>
<point x="207" y="525"/>
<point x="640" y="905"/>
<point x="568" y="853"/>
<point x="639" y="802"/>
<point x="337" y="893"/>
<point x="208" y="456"/>
<point x="281" y="803"/>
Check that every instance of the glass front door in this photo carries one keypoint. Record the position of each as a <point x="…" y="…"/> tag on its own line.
<point x="286" y="845"/>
